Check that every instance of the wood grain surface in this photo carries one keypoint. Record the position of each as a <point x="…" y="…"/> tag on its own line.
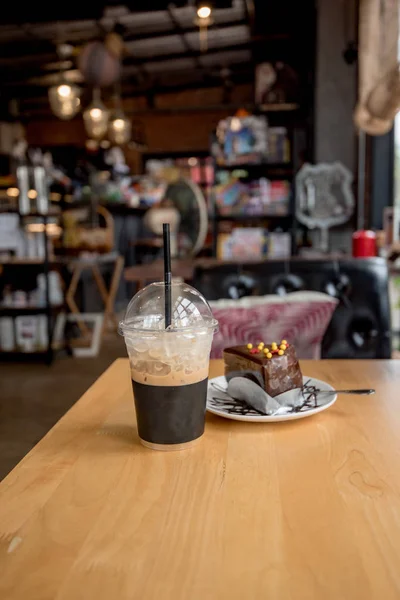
<point x="307" y="509"/>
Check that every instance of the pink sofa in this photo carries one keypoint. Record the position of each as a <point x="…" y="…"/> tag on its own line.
<point x="301" y="318"/>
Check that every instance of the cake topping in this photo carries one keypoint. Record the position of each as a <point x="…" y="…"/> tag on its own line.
<point x="275" y="349"/>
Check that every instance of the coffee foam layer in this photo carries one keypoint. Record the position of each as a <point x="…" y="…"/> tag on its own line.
<point x="173" y="378"/>
<point x="169" y="358"/>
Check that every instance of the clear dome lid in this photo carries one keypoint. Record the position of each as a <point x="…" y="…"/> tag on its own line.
<point x="189" y="310"/>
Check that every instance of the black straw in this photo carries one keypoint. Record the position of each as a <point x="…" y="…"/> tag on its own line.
<point x="167" y="274"/>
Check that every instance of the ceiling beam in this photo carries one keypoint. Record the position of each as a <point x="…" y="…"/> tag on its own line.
<point x="195" y="54"/>
<point x="182" y="35"/>
<point x="11" y="64"/>
<point x="24" y="46"/>
<point x="20" y="77"/>
<point x="138" y="37"/>
<point x="32" y="105"/>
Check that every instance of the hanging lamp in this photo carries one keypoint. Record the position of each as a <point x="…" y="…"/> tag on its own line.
<point x="96" y="117"/>
<point x="65" y="100"/>
<point x="64" y="97"/>
<point x="120" y="127"/>
<point x="203" y="20"/>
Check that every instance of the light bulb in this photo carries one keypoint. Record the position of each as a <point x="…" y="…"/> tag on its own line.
<point x="64" y="90"/>
<point x="96" y="118"/>
<point x="118" y="124"/>
<point x="120" y="128"/>
<point x="203" y="12"/>
<point x="96" y="113"/>
<point x="32" y="194"/>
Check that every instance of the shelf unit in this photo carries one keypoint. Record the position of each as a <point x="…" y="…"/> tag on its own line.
<point x="278" y="107"/>
<point x="296" y="113"/>
<point x="26" y="262"/>
<point x="49" y="311"/>
<point x="53" y="212"/>
<point x="271" y="168"/>
<point x="15" y="311"/>
<point x="271" y="171"/>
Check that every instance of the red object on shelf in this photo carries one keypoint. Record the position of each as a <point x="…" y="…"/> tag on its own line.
<point x="195" y="173"/>
<point x="364" y="244"/>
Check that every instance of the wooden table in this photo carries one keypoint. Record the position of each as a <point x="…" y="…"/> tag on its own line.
<point x="307" y="510"/>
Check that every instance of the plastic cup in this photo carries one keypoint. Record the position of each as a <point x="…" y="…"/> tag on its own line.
<point x="169" y="367"/>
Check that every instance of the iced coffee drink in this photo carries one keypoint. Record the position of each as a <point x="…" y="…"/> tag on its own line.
<point x="169" y="367"/>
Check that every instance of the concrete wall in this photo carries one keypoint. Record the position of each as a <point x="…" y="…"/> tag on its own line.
<point x="336" y="88"/>
<point x="335" y="98"/>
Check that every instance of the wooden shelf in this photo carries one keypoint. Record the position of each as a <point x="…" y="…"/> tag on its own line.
<point x="53" y="212"/>
<point x="262" y="165"/>
<point x="22" y="261"/>
<point x="278" y="169"/>
<point x="26" y="262"/>
<point x="278" y="107"/>
<point x="250" y="217"/>
<point x="15" y="311"/>
<point x="121" y="208"/>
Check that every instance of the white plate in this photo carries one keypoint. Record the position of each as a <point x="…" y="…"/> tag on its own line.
<point x="219" y="403"/>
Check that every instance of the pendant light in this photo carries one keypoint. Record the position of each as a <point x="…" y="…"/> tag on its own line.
<point x="120" y="127"/>
<point x="203" y="21"/>
<point x="65" y="100"/>
<point x="64" y="97"/>
<point x="119" y="130"/>
<point x="96" y="117"/>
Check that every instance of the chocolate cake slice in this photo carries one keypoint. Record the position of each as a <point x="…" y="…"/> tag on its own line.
<point x="274" y="367"/>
